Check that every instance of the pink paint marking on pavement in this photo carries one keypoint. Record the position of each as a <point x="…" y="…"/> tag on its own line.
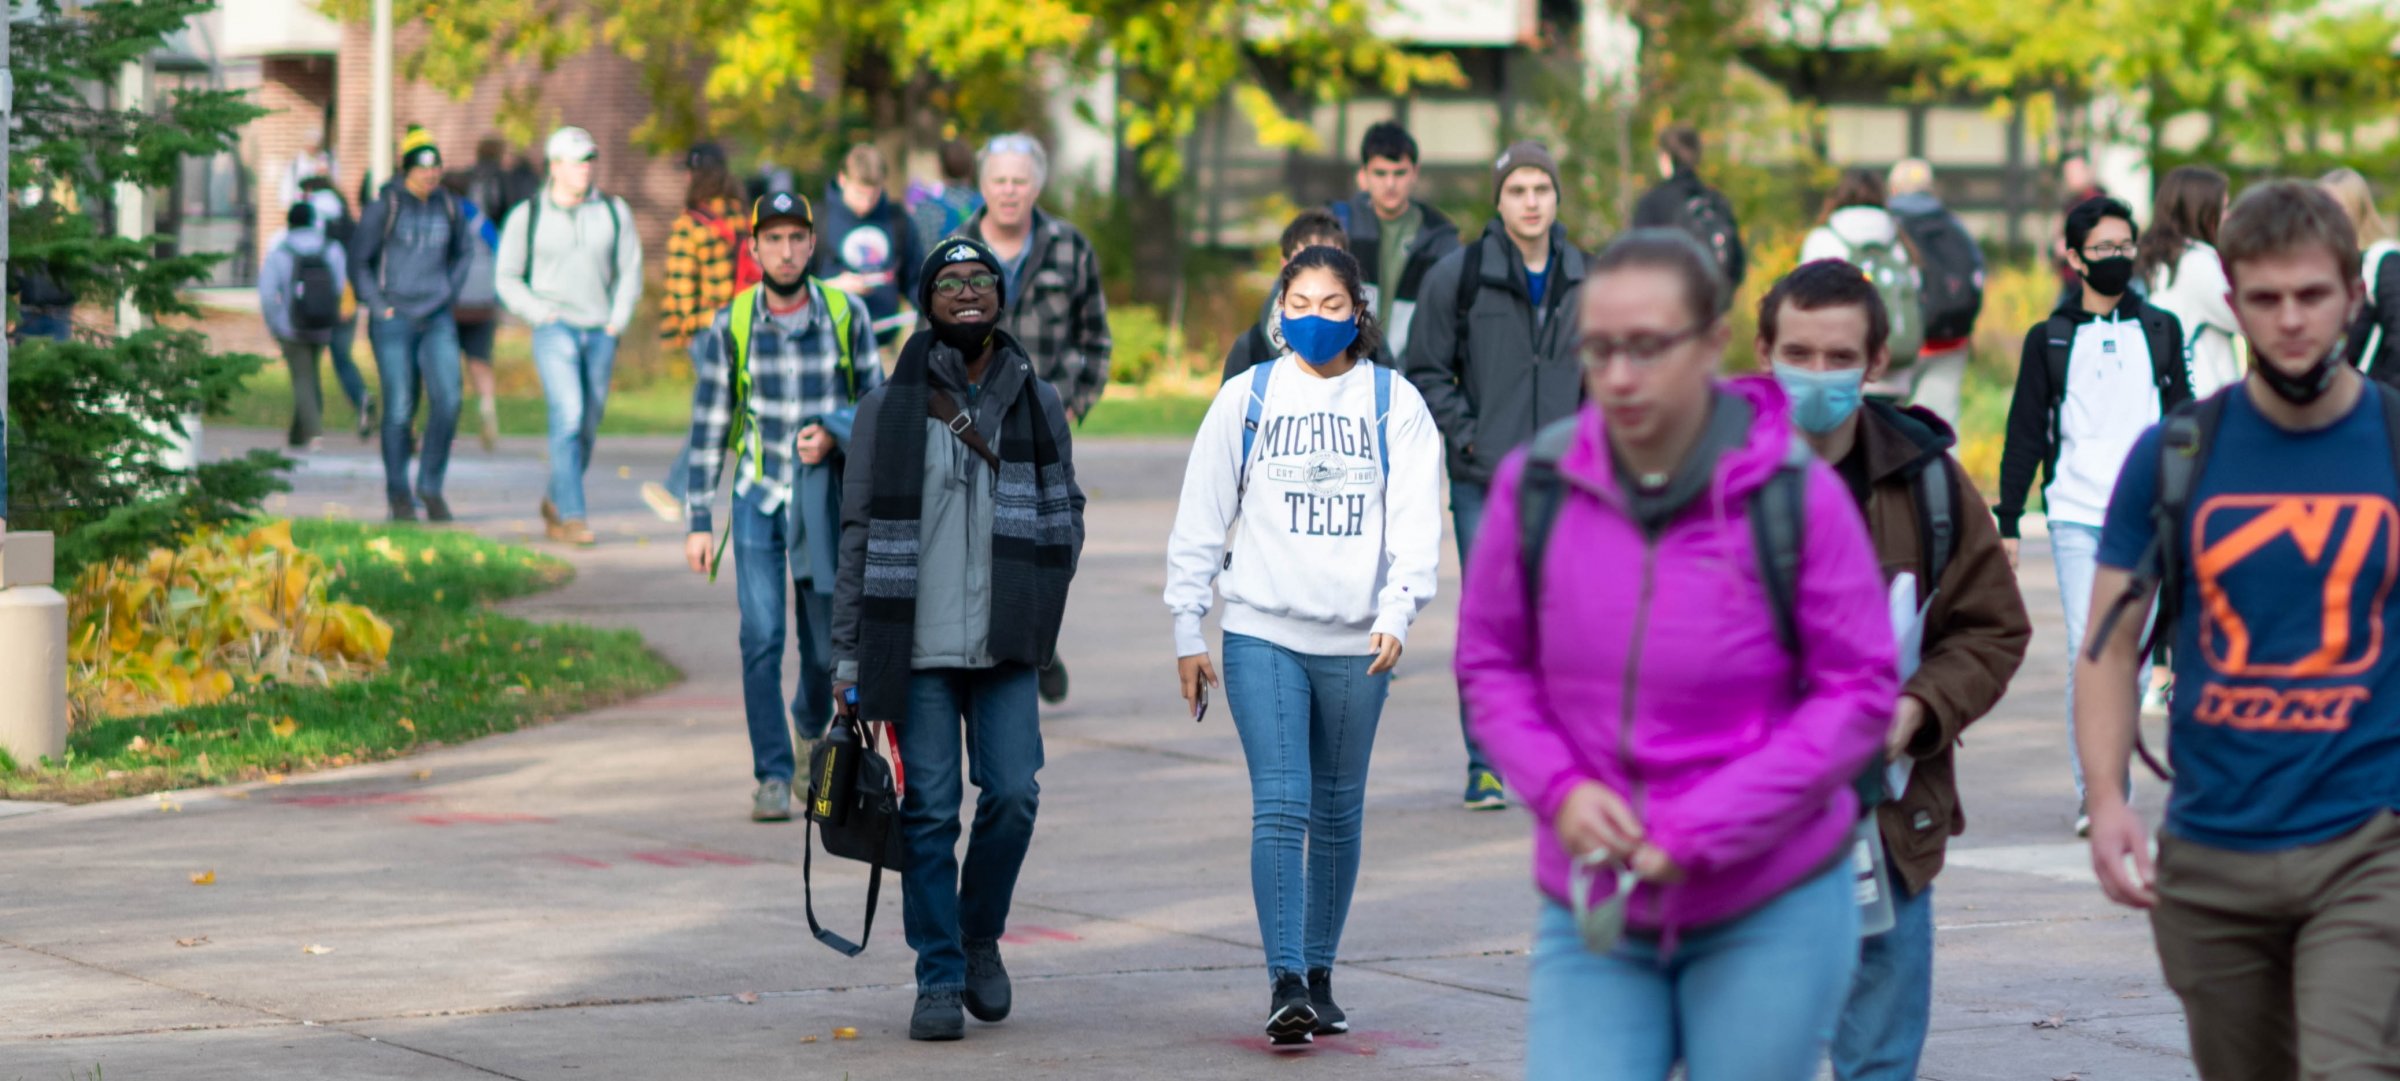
<point x="1356" y="1044"/>
<point x="362" y="800"/>
<point x="475" y="819"/>
<point x="572" y="860"/>
<point x="1025" y="935"/>
<point x="690" y="857"/>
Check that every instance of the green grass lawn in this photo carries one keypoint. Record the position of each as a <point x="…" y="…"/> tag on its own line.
<point x="457" y="671"/>
<point x="665" y="408"/>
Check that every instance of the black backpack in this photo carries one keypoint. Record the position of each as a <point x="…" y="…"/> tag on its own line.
<point x="316" y="294"/>
<point x="2184" y="440"/>
<point x="1708" y="217"/>
<point x="1952" y="267"/>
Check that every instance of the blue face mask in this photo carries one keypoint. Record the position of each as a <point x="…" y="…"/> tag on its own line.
<point x="1317" y="339"/>
<point x="1821" y="401"/>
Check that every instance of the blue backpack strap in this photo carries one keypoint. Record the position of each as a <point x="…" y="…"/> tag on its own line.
<point x="1383" y="417"/>
<point x="1250" y="414"/>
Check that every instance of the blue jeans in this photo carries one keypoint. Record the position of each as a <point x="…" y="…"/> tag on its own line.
<point x="1753" y="999"/>
<point x="2075" y="553"/>
<point x="1466" y="517"/>
<point x="345" y="368"/>
<point x="574" y="363"/>
<point x="942" y="909"/>
<point x="1882" y="1033"/>
<point x="760" y="576"/>
<point x="409" y="351"/>
<point x="1307" y="724"/>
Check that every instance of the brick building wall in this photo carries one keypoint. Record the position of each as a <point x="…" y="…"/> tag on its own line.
<point x="295" y="91"/>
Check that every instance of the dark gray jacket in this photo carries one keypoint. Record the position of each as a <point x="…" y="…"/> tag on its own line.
<point x="1494" y="374"/>
<point x="954" y="532"/>
<point x="415" y="263"/>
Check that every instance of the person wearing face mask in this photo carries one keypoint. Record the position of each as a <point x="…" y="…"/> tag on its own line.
<point x="2092" y="376"/>
<point x="775" y="379"/>
<point x="961" y="527"/>
<point x="1821" y="330"/>
<point x="2275" y="886"/>
<point x="1326" y="468"/>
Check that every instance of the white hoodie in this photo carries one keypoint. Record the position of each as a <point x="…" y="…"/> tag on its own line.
<point x="1847" y="229"/>
<point x="1329" y="550"/>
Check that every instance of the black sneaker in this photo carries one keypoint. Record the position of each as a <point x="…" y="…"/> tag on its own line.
<point x="404" y="510"/>
<point x="1052" y="680"/>
<point x="987" y="995"/>
<point x="1291" y="1021"/>
<point x="1331" y="1021"/>
<point x="437" y="509"/>
<point x="938" y="1017"/>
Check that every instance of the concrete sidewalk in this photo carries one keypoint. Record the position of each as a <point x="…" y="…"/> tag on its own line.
<point x="587" y="900"/>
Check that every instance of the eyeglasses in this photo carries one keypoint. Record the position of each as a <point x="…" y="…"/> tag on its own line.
<point x="2104" y="251"/>
<point x="980" y="283"/>
<point x="1640" y="350"/>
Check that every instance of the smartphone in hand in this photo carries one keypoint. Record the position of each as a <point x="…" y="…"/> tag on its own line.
<point x="1200" y="705"/>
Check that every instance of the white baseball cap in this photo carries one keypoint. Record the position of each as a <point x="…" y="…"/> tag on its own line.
<point x="571" y="144"/>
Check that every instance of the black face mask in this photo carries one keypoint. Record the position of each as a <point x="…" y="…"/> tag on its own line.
<point x="2109" y="276"/>
<point x="2308" y="386"/>
<point x="968" y="338"/>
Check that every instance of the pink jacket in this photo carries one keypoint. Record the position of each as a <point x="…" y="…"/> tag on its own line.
<point x="1655" y="670"/>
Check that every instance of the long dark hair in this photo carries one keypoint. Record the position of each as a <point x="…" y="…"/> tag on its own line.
<point x="1344" y="267"/>
<point x="711" y="181"/>
<point x="1857" y="187"/>
<point x="2191" y="204"/>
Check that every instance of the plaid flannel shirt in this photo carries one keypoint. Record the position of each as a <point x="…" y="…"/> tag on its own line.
<point x="1059" y="314"/>
<point x="792" y="378"/>
<point x="700" y="266"/>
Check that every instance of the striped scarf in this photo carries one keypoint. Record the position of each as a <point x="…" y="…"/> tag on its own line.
<point x="1033" y="521"/>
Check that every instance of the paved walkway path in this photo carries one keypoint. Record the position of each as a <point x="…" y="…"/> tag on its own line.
<point x="587" y="900"/>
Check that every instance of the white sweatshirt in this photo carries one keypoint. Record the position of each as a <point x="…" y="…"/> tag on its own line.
<point x="2194" y="292"/>
<point x="1329" y="551"/>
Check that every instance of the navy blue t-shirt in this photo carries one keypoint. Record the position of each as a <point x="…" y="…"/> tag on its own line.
<point x="1537" y="282"/>
<point x="2285" y="727"/>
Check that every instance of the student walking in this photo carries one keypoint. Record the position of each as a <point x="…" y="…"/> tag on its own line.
<point x="776" y="379"/>
<point x="2275" y="890"/>
<point x="937" y="210"/>
<point x="300" y="293"/>
<point x="1950" y="268"/>
<point x="960" y="493"/>
<point x="1055" y="310"/>
<point x="571" y="266"/>
<point x="1684" y="732"/>
<point x="1494" y="356"/>
<point x="2178" y="260"/>
<point x="1820" y="331"/>
<point x="1331" y="467"/>
<point x="1856" y="228"/>
<point x="2374" y="345"/>
<point x="334" y="221"/>
<point x="870" y="247"/>
<point x="479" y="309"/>
<point x="408" y="263"/>
<point x="708" y="258"/>
<point x="2092" y="377"/>
<point x="1395" y="236"/>
<point x="1264" y="341"/>
<point x="1682" y="200"/>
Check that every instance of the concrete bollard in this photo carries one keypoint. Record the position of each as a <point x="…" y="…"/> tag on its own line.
<point x="33" y="650"/>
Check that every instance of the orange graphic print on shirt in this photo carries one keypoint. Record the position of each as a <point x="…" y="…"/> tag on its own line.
<point x="2338" y="537"/>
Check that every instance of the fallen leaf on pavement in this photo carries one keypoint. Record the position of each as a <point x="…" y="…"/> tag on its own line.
<point x="2056" y="1020"/>
<point x="423" y="775"/>
<point x="274" y="778"/>
<point x="314" y="949"/>
<point x="166" y="804"/>
<point x="747" y="998"/>
<point x="845" y="1033"/>
<point x="200" y="941"/>
<point x="234" y="795"/>
<point x="808" y="1039"/>
<point x="624" y="472"/>
<point x="204" y="878"/>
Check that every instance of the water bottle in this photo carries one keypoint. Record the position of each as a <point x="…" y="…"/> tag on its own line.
<point x="836" y="767"/>
<point x="1871" y="879"/>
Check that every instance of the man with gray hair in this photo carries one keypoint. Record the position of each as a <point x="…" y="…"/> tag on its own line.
<point x="1054" y="307"/>
<point x="1952" y="266"/>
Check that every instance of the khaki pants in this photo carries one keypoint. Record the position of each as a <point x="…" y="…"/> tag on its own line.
<point x="2288" y="963"/>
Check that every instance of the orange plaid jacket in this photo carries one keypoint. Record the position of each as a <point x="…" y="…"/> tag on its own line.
<point x="700" y="273"/>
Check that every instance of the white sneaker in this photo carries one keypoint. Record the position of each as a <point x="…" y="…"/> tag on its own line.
<point x="662" y="502"/>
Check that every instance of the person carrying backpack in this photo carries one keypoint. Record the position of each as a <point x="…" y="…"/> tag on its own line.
<point x="776" y="380"/>
<point x="1395" y="236"/>
<point x="1677" y="648"/>
<point x="409" y="260"/>
<point x="1681" y="200"/>
<point x="2374" y="345"/>
<point x="1328" y="468"/>
<point x="2262" y="521"/>
<point x="2092" y="377"/>
<point x="870" y="245"/>
<point x="1263" y="342"/>
<point x="2178" y="262"/>
<point x="1819" y="331"/>
<point x="1856" y="229"/>
<point x="1494" y="356"/>
<point x="300" y="293"/>
<point x="708" y="260"/>
<point x="334" y="221"/>
<point x="1950" y="269"/>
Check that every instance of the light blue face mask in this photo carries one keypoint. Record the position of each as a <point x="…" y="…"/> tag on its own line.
<point x="1821" y="401"/>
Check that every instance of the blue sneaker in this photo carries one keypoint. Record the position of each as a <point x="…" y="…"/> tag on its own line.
<point x="1484" y="792"/>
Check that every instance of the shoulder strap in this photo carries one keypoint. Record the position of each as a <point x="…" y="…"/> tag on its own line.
<point x="1540" y="491"/>
<point x="1777" y="518"/>
<point x="2391" y="417"/>
<point x="942" y="407"/>
<point x="2061" y="334"/>
<point x="1257" y="405"/>
<point x="1470" y="283"/>
<point x="837" y="308"/>
<point x="533" y="225"/>
<point x="745" y="311"/>
<point x="1938" y="522"/>
<point x="1383" y="417"/>
<point x="2170" y="359"/>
